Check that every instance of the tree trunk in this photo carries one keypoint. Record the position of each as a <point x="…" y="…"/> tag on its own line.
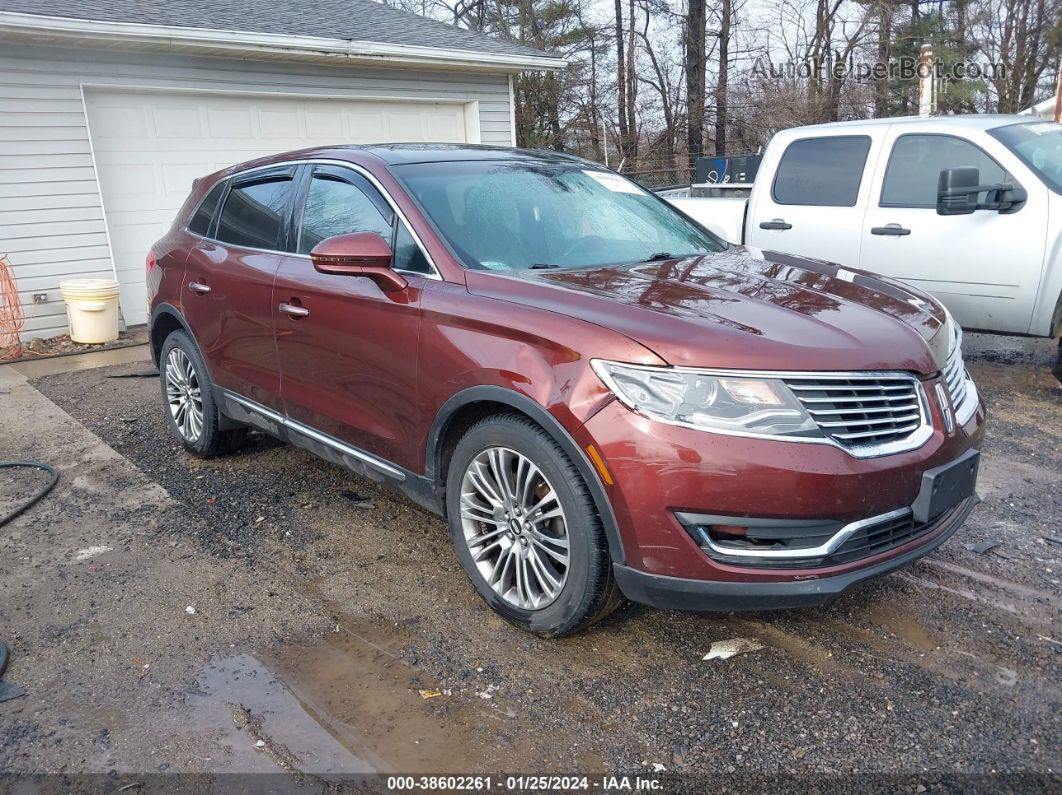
<point x="881" y="86"/>
<point x="621" y="83"/>
<point x="632" y="94"/>
<point x="695" y="69"/>
<point x="725" y="12"/>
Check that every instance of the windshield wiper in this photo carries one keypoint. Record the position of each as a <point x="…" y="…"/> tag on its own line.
<point x="663" y="255"/>
<point x="542" y="266"/>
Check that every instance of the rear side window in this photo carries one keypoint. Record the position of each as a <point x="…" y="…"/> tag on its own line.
<point x="254" y="213"/>
<point x="200" y="223"/>
<point x="916" y="163"/>
<point x="822" y="172"/>
<point x="337" y="206"/>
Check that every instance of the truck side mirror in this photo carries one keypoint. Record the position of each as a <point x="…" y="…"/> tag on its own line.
<point x="954" y="190"/>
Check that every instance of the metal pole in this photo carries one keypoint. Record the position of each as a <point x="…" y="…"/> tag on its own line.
<point x="926" y="83"/>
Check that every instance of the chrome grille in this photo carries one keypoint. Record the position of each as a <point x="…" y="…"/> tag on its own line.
<point x="955" y="377"/>
<point x="861" y="411"/>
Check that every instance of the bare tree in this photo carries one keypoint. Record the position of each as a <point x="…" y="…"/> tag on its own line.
<point x="726" y="10"/>
<point x="1025" y="36"/>
<point x="696" y="61"/>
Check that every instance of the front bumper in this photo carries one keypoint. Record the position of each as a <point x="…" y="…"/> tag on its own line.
<point x="660" y="472"/>
<point x="675" y="593"/>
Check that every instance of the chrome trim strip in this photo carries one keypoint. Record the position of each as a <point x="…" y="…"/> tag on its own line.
<point x="305" y="430"/>
<point x="945" y="407"/>
<point x="821" y="551"/>
<point x="964" y="412"/>
<point x="917" y="438"/>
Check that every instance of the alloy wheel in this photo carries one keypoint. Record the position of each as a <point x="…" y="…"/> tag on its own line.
<point x="515" y="528"/>
<point x="183" y="395"/>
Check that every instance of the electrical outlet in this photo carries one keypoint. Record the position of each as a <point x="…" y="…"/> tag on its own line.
<point x="40" y="298"/>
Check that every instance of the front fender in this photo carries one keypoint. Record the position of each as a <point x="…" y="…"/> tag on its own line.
<point x="550" y="424"/>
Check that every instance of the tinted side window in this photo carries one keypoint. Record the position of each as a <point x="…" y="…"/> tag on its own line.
<point x="916" y="163"/>
<point x="253" y="214"/>
<point x="822" y="172"/>
<point x="200" y="223"/>
<point x="335" y="206"/>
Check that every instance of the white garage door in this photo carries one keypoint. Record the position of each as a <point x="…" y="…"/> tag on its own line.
<point x="149" y="146"/>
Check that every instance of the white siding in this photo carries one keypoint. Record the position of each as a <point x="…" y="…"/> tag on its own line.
<point x="51" y="220"/>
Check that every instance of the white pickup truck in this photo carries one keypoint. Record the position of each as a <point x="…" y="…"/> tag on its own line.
<point x="968" y="208"/>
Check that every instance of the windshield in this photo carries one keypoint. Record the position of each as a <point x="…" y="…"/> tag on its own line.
<point x="1039" y="146"/>
<point x="502" y="215"/>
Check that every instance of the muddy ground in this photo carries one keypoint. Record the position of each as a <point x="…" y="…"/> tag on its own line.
<point x="268" y="612"/>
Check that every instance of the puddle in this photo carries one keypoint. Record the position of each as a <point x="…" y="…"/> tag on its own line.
<point x="902" y="624"/>
<point x="36" y="368"/>
<point x="348" y="704"/>
<point x="239" y="702"/>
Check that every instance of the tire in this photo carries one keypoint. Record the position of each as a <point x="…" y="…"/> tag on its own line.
<point x="183" y="379"/>
<point x="554" y="598"/>
<point x="1057" y="369"/>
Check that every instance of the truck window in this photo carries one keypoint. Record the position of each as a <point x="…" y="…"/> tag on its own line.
<point x="916" y="162"/>
<point x="821" y="172"/>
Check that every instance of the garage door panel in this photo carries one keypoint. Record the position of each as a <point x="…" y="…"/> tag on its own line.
<point x="186" y="122"/>
<point x="149" y="146"/>
<point x="324" y="124"/>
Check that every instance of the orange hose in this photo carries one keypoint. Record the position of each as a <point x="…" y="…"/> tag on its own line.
<point x="11" y="317"/>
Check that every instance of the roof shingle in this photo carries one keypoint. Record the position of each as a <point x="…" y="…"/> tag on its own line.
<point x="354" y="20"/>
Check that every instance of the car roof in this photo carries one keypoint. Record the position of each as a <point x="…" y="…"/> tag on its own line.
<point x="404" y="154"/>
<point x="969" y="121"/>
<point x="398" y="154"/>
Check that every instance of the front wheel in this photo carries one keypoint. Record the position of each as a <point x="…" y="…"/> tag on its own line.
<point x="526" y="530"/>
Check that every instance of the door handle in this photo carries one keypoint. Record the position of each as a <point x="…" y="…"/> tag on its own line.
<point x="294" y="311"/>
<point x="777" y="223"/>
<point x="890" y="229"/>
<point x="199" y="287"/>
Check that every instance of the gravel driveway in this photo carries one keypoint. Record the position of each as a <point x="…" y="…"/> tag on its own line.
<point x="333" y="631"/>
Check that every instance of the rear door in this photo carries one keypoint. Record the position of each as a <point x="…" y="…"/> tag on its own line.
<point x="348" y="354"/>
<point x="814" y="205"/>
<point x="228" y="289"/>
<point x="985" y="267"/>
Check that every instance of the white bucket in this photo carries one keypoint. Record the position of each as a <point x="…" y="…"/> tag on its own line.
<point x="92" y="307"/>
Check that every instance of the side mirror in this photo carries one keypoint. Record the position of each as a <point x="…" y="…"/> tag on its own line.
<point x="358" y="254"/>
<point x="955" y="194"/>
<point x="958" y="190"/>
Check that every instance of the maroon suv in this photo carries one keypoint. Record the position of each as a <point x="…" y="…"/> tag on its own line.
<point x="606" y="402"/>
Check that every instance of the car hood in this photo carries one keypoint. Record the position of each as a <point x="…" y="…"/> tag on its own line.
<point x="744" y="308"/>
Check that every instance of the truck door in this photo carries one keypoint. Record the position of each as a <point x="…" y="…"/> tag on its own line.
<point x="985" y="267"/>
<point x="812" y="199"/>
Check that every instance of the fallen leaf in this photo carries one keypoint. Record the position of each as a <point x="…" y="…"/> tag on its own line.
<point x="723" y="649"/>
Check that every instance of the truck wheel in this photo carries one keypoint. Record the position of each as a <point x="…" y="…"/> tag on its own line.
<point x="526" y="530"/>
<point x="1057" y="369"/>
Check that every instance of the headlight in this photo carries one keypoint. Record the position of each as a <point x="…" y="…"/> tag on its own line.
<point x="712" y="401"/>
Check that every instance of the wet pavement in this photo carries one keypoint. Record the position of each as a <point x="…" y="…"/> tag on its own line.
<point x="332" y="636"/>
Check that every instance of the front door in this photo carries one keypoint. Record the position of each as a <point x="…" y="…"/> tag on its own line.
<point x="228" y="286"/>
<point x="985" y="267"/>
<point x="347" y="349"/>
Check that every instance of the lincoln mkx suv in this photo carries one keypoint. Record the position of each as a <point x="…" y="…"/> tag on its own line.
<point x="608" y="404"/>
